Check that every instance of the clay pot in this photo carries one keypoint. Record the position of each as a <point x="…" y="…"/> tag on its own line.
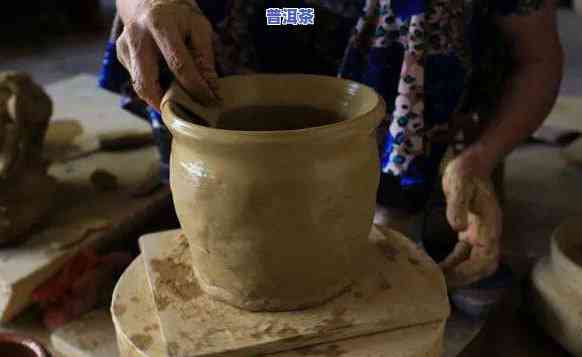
<point x="20" y="346"/>
<point x="276" y="219"/>
<point x="557" y="287"/>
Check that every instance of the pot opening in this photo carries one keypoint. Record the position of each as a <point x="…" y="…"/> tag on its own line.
<point x="189" y="115"/>
<point x="276" y="118"/>
<point x="13" y="349"/>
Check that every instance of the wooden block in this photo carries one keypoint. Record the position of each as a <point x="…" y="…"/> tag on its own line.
<point x="138" y="334"/>
<point x="93" y="335"/>
<point x="394" y="274"/>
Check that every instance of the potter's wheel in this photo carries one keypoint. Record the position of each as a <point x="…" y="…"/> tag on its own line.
<point x="400" y="308"/>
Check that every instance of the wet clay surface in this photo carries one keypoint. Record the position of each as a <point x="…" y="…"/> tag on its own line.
<point x="174" y="277"/>
<point x="119" y="309"/>
<point x="272" y="118"/>
<point x="142" y="341"/>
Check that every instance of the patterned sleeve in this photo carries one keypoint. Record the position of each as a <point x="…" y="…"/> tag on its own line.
<point x="515" y="7"/>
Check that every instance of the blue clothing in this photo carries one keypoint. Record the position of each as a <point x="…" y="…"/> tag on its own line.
<point x="425" y="57"/>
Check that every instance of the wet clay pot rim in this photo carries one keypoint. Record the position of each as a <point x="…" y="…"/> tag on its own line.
<point x="566" y="239"/>
<point x="29" y="343"/>
<point x="265" y="89"/>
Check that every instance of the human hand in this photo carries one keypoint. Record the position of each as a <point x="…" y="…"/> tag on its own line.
<point x="474" y="212"/>
<point x="175" y="31"/>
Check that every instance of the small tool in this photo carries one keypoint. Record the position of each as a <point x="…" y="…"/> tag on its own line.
<point x="85" y="145"/>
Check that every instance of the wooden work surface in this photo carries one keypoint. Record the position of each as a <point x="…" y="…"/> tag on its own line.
<point x="394" y="273"/>
<point x="83" y="215"/>
<point x="142" y="312"/>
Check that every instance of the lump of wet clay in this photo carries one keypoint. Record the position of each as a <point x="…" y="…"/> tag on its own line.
<point x="26" y="191"/>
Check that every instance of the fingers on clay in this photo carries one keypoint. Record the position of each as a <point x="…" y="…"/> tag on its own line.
<point x="144" y="67"/>
<point x="460" y="253"/>
<point x="122" y="49"/>
<point x="458" y="199"/>
<point x="181" y="62"/>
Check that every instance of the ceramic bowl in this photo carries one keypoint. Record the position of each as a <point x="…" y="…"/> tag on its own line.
<point x="13" y="345"/>
<point x="557" y="287"/>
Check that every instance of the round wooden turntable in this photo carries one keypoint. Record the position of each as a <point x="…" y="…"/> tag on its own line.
<point x="398" y="308"/>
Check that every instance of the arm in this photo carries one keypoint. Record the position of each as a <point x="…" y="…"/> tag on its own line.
<point x="472" y="207"/>
<point x="531" y="90"/>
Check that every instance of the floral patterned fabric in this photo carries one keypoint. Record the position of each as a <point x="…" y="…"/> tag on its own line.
<point x="437" y="63"/>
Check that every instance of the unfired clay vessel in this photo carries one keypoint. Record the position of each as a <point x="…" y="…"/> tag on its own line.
<point x="557" y="287"/>
<point x="276" y="219"/>
<point x="26" y="191"/>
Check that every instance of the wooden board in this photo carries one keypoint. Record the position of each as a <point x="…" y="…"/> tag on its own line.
<point x="138" y="333"/>
<point x="83" y="216"/>
<point x="92" y="335"/>
<point x="400" y="287"/>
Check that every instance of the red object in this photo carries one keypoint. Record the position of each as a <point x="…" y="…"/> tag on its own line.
<point x="60" y="284"/>
<point x="77" y="287"/>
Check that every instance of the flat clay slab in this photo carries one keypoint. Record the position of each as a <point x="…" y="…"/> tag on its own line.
<point x="399" y="287"/>
<point x="138" y="333"/>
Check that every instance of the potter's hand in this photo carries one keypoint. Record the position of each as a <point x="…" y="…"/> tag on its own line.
<point x="474" y="212"/>
<point x="175" y="31"/>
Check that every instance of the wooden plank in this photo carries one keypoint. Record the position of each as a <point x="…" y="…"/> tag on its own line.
<point x="401" y="288"/>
